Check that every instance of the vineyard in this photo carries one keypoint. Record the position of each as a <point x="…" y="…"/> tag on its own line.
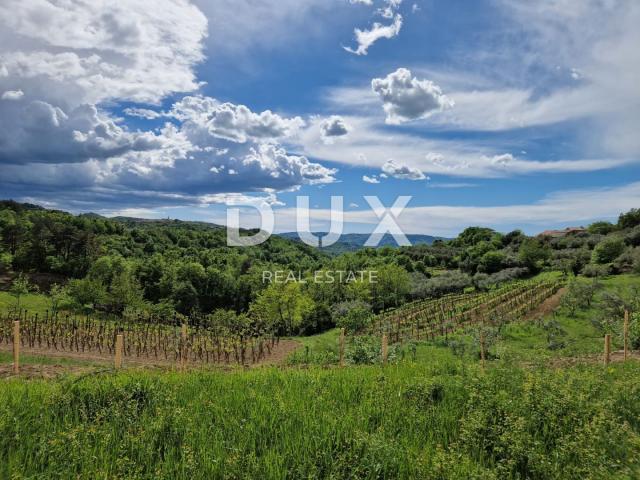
<point x="428" y="319"/>
<point x="143" y="338"/>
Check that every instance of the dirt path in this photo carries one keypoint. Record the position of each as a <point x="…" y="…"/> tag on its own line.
<point x="546" y="307"/>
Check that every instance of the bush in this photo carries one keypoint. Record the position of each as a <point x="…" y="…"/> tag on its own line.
<point x="367" y="350"/>
<point x="592" y="270"/>
<point x="449" y="282"/>
<point x="353" y="316"/>
<point x="607" y="250"/>
<point x="484" y="282"/>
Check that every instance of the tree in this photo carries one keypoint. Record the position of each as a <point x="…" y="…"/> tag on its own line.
<point x="58" y="298"/>
<point x="533" y="254"/>
<point x="601" y="228"/>
<point x="629" y="219"/>
<point x="492" y="262"/>
<point x="87" y="293"/>
<point x="607" y="250"/>
<point x="19" y="288"/>
<point x="282" y="306"/>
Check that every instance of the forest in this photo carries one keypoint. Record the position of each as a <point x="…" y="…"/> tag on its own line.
<point x="124" y="266"/>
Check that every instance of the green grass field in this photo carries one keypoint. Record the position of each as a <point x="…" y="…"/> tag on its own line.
<point x="432" y="415"/>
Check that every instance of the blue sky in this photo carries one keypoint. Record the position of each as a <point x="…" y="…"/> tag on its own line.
<point x="503" y="113"/>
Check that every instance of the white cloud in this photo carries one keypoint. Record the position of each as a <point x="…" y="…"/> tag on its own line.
<point x="406" y="98"/>
<point x="334" y="126"/>
<point x="12" y="95"/>
<point x="236" y="123"/>
<point x="366" y="38"/>
<point x="402" y="171"/>
<point x="143" y="113"/>
<point x="564" y="208"/>
<point x="368" y="179"/>
<point x="361" y="2"/>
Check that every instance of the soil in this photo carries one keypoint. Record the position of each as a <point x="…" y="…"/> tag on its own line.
<point x="547" y="307"/>
<point x="96" y="361"/>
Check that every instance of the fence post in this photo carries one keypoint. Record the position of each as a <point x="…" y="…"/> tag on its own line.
<point x="626" y="334"/>
<point x="183" y="350"/>
<point x="118" y="353"/>
<point x="342" y="347"/>
<point x="16" y="347"/>
<point x="607" y="349"/>
<point x="385" y="348"/>
<point x="482" y="353"/>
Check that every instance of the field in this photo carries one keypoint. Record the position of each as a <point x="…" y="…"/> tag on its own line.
<point x="433" y="412"/>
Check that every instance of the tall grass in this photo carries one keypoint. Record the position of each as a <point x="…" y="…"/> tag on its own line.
<point x="439" y="420"/>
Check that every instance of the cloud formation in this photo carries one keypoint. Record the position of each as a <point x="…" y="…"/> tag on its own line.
<point x="405" y="98"/>
<point x="236" y="123"/>
<point x="366" y="38"/>
<point x="334" y="126"/>
<point x="403" y="172"/>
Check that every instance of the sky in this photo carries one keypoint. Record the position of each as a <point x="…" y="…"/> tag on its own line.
<point x="500" y="113"/>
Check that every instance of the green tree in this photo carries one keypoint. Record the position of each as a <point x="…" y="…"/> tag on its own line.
<point x="19" y="288"/>
<point x="282" y="306"/>
<point x="87" y="293"/>
<point x="533" y="254"/>
<point x="607" y="250"/>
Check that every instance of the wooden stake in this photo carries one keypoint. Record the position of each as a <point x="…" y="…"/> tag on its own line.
<point x="16" y="347"/>
<point x="342" y="347"/>
<point x="119" y="349"/>
<point x="607" y="349"/>
<point x="482" y="355"/>
<point x="385" y="348"/>
<point x="626" y="334"/>
<point x="183" y="350"/>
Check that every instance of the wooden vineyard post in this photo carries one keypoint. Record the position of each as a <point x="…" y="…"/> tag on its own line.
<point x="342" y="347"/>
<point x="16" y="347"/>
<point x="118" y="353"/>
<point x="607" y="349"/>
<point x="482" y="354"/>
<point x="626" y="335"/>
<point x="385" y="348"/>
<point x="183" y="350"/>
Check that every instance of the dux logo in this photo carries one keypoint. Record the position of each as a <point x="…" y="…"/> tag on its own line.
<point x="387" y="223"/>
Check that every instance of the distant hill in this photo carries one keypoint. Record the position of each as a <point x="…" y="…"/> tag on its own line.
<point x="351" y="242"/>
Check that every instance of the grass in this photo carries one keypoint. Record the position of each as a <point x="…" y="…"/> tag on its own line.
<point x="433" y="416"/>
<point x="33" y="302"/>
<point x="7" y="357"/>
<point x="411" y="420"/>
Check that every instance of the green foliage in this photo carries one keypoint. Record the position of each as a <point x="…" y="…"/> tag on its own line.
<point x="86" y="293"/>
<point x="353" y="316"/>
<point x="533" y="254"/>
<point x="601" y="228"/>
<point x="607" y="250"/>
<point x="19" y="288"/>
<point x="283" y="306"/>
<point x="629" y="219"/>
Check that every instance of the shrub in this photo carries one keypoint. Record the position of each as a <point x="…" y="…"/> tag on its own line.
<point x="353" y="316"/>
<point x="592" y="270"/>
<point x="607" y="250"/>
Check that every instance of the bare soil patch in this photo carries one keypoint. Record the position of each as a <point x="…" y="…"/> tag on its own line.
<point x="547" y="307"/>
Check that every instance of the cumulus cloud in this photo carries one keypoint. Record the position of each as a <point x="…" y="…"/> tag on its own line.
<point x="406" y="98"/>
<point x="236" y="123"/>
<point x="74" y="62"/>
<point x="404" y="172"/>
<point x="334" y="126"/>
<point x="366" y="38"/>
<point x="103" y="50"/>
<point x="38" y="132"/>
<point x="368" y="179"/>
<point x="502" y="160"/>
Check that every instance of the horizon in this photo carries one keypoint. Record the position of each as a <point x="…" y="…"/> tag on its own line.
<point x="496" y="113"/>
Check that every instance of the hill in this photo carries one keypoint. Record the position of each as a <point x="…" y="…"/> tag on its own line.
<point x="352" y="242"/>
